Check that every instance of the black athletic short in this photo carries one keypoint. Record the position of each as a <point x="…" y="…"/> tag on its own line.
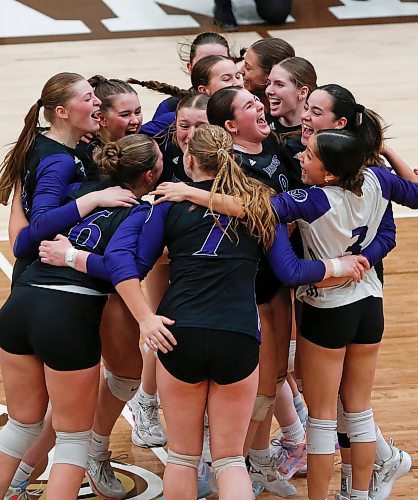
<point x="266" y="283"/>
<point x="361" y="322"/>
<point x="206" y="354"/>
<point x="61" y="328"/>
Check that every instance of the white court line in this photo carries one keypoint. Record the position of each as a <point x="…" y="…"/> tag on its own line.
<point x="6" y="267"/>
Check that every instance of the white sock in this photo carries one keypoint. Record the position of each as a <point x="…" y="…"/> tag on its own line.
<point x="300" y="408"/>
<point x="22" y="474"/>
<point x="294" y="432"/>
<point x="346" y="478"/>
<point x="359" y="495"/>
<point x="99" y="444"/>
<point x="262" y="457"/>
<point x="145" y="395"/>
<point x="383" y="450"/>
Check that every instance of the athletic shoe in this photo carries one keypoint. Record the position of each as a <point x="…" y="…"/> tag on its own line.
<point x="205" y="480"/>
<point x="147" y="431"/>
<point x="22" y="493"/>
<point x="102" y="479"/>
<point x="257" y="489"/>
<point x="223" y="15"/>
<point x="385" y="474"/>
<point x="290" y="456"/>
<point x="270" y="478"/>
<point x="340" y="496"/>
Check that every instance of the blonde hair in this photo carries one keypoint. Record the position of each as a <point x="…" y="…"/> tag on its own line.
<point x="213" y="148"/>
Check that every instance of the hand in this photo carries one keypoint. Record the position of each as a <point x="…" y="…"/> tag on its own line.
<point x="115" y="197"/>
<point x="170" y="191"/>
<point x="53" y="252"/>
<point x="87" y="138"/>
<point x="354" y="266"/>
<point x="155" y="334"/>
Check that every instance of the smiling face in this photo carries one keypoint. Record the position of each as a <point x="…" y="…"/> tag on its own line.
<point x="313" y="170"/>
<point x="318" y="115"/>
<point x="249" y="121"/>
<point x="82" y="108"/>
<point x="223" y="74"/>
<point x="254" y="77"/>
<point x="123" y="117"/>
<point x="282" y="93"/>
<point x="188" y="119"/>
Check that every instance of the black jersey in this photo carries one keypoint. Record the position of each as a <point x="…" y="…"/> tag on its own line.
<point x="49" y="156"/>
<point x="173" y="169"/>
<point x="279" y="128"/>
<point x="85" y="152"/>
<point x="92" y="234"/>
<point x="211" y="274"/>
<point x="266" y="166"/>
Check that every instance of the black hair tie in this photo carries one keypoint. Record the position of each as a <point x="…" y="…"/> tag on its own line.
<point x="359" y="108"/>
<point x="39" y="103"/>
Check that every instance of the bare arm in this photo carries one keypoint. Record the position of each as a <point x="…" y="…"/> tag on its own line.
<point x="152" y="327"/>
<point x="398" y="165"/>
<point x="179" y="191"/>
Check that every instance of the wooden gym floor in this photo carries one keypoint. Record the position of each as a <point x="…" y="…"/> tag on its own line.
<point x="369" y="47"/>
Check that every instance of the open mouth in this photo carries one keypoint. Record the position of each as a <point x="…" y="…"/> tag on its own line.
<point x="131" y="131"/>
<point x="95" y="116"/>
<point x="307" y="131"/>
<point x="261" y="120"/>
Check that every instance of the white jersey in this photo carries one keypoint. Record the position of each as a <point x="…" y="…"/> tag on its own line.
<point x="336" y="222"/>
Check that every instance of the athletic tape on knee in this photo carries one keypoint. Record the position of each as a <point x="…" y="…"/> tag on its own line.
<point x="184" y="460"/>
<point x="360" y="426"/>
<point x="122" y="388"/>
<point x="262" y="405"/>
<point x="292" y="355"/>
<point x="320" y="436"/>
<point x="16" y="438"/>
<point x="224" y="463"/>
<point x="341" y="423"/>
<point x="72" y="448"/>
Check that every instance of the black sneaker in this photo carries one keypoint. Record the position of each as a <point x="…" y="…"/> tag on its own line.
<point x="223" y="15"/>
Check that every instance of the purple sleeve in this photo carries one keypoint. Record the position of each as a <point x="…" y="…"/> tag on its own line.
<point x="397" y="189"/>
<point x="48" y="217"/>
<point x="163" y="108"/>
<point x="151" y="240"/>
<point x="287" y="267"/>
<point x="301" y="204"/>
<point x="159" y="125"/>
<point x="385" y="239"/>
<point x="120" y="258"/>
<point x="96" y="268"/>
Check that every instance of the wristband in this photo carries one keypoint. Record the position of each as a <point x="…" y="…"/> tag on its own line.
<point x="338" y="268"/>
<point x="70" y="257"/>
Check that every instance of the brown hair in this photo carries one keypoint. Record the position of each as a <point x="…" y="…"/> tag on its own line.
<point x="127" y="158"/>
<point x="213" y="148"/>
<point x="271" y="51"/>
<point x="105" y="89"/>
<point x="302" y="73"/>
<point x="57" y="91"/>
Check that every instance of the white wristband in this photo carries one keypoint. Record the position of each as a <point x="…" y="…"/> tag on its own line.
<point x="338" y="268"/>
<point x="70" y="257"/>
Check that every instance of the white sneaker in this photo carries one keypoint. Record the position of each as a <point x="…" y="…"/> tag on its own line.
<point x="291" y="456"/>
<point x="102" y="479"/>
<point x="384" y="475"/>
<point x="147" y="431"/>
<point x="271" y="480"/>
<point x="340" y="496"/>
<point x="22" y="493"/>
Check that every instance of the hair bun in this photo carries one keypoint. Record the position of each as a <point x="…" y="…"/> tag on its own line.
<point x="108" y="157"/>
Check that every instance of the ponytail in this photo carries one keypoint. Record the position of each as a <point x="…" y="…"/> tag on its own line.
<point x="163" y="88"/>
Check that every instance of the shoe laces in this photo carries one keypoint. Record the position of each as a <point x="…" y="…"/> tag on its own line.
<point x="107" y="472"/>
<point x="152" y="414"/>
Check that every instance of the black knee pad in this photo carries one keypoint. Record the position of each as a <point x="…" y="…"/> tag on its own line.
<point x="274" y="11"/>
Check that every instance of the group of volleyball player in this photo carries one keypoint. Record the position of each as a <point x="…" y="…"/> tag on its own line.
<point x="262" y="259"/>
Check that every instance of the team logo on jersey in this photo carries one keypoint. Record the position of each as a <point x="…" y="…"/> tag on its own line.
<point x="176" y="160"/>
<point x="252" y="162"/>
<point x="284" y="183"/>
<point x="80" y="166"/>
<point x="274" y="165"/>
<point x="299" y="195"/>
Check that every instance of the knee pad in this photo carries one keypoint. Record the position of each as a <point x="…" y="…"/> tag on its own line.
<point x="122" y="388"/>
<point x="360" y="426"/>
<point x="184" y="460"/>
<point x="341" y="422"/>
<point x="72" y="448"/>
<point x="320" y="436"/>
<point x="292" y="354"/>
<point x="16" y="438"/>
<point x="262" y="405"/>
<point x="224" y="463"/>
